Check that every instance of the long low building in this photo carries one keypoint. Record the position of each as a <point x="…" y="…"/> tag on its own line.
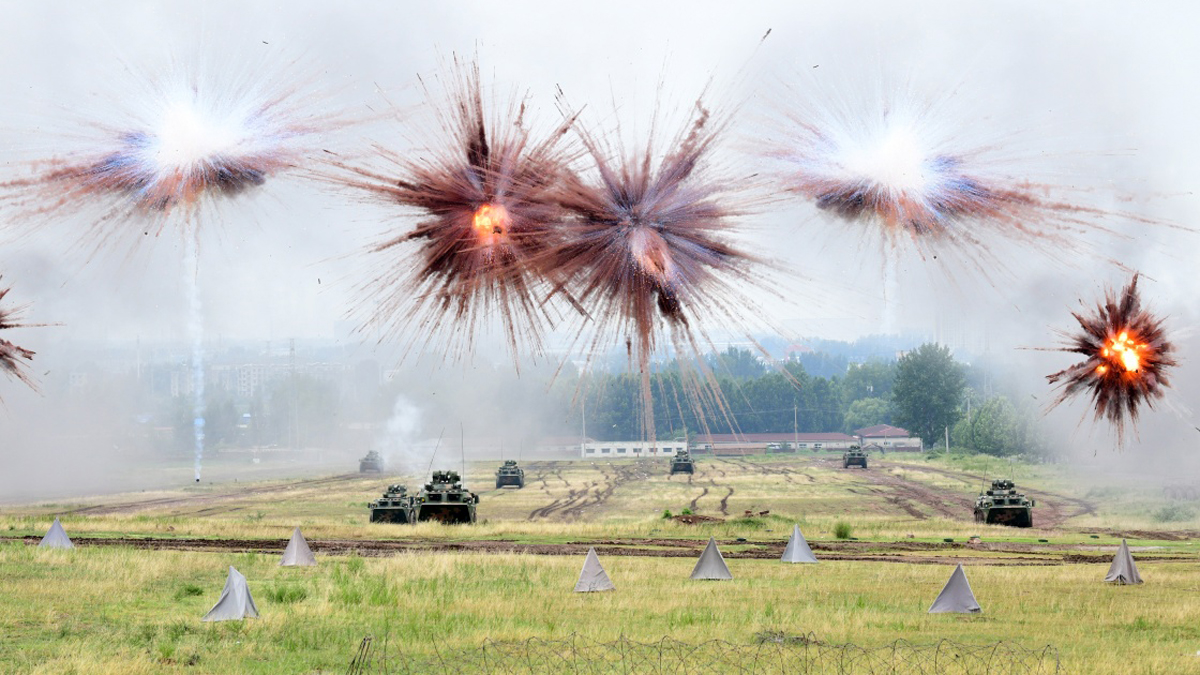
<point x="626" y="449"/>
<point x="890" y="438"/>
<point x="751" y="444"/>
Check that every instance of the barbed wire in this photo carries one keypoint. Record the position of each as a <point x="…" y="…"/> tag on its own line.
<point x="771" y="652"/>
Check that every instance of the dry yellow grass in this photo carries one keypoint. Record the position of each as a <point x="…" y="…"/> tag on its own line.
<point x="114" y="610"/>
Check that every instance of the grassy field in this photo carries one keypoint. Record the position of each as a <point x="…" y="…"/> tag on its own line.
<point x="102" y="609"/>
<point x="118" y="610"/>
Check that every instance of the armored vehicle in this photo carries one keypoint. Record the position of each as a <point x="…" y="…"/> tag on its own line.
<point x="1003" y="505"/>
<point x="395" y="506"/>
<point x="445" y="499"/>
<point x="854" y="456"/>
<point x="372" y="463"/>
<point x="510" y="474"/>
<point x="682" y="463"/>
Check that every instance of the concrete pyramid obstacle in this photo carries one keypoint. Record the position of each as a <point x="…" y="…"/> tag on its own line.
<point x="235" y="602"/>
<point x="297" y="553"/>
<point x="956" y="596"/>
<point x="711" y="564"/>
<point x="593" y="577"/>
<point x="56" y="537"/>
<point x="797" y="550"/>
<point x="1123" y="571"/>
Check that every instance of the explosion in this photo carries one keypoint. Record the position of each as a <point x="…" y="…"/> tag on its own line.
<point x="900" y="168"/>
<point x="485" y="199"/>
<point x="1127" y="353"/>
<point x="13" y="358"/>
<point x="190" y="138"/>
<point x="649" y="248"/>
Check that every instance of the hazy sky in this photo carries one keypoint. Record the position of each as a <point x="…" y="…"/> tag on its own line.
<point x="1096" y="94"/>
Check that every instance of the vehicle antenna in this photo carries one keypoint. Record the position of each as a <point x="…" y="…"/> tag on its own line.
<point x="429" y="471"/>
<point x="462" y="447"/>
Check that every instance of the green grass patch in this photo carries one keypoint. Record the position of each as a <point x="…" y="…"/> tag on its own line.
<point x="842" y="529"/>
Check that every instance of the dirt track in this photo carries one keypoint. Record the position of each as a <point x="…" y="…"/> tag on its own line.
<point x="1001" y="554"/>
<point x="914" y="498"/>
<point x="208" y="503"/>
<point x="591" y="496"/>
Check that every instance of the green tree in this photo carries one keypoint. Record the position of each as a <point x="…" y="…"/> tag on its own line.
<point x="928" y="391"/>
<point x="740" y="364"/>
<point x="992" y="428"/>
<point x="873" y="379"/>
<point x="867" y="412"/>
<point x="997" y="427"/>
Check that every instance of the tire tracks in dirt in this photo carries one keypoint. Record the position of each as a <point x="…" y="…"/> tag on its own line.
<point x="724" y="507"/>
<point x="910" y="496"/>
<point x="789" y="474"/>
<point x="593" y="496"/>
<point x="1051" y="511"/>
<point x="208" y="503"/>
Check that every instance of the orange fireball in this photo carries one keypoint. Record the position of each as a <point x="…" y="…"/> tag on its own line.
<point x="490" y="220"/>
<point x="1124" y="352"/>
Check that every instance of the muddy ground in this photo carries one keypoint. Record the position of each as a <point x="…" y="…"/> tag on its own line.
<point x="998" y="554"/>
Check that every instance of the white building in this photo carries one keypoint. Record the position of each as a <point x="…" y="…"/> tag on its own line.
<point x="627" y="449"/>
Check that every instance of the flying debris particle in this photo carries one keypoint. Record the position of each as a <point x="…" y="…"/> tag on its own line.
<point x="1128" y="356"/>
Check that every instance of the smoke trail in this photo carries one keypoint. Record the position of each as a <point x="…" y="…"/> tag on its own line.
<point x="890" y="293"/>
<point x="191" y="274"/>
<point x="400" y="443"/>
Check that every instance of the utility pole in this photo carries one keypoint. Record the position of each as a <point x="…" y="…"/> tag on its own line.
<point x="969" y="425"/>
<point x="583" y="432"/>
<point x="294" y="427"/>
<point x="795" y="427"/>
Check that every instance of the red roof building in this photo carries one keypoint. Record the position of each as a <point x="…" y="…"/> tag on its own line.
<point x="889" y="437"/>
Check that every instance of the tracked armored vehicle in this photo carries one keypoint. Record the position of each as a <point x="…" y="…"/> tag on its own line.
<point x="854" y="456"/>
<point x="1003" y="505"/>
<point x="510" y="474"/>
<point x="682" y="463"/>
<point x="445" y="500"/>
<point x="395" y="506"/>
<point x="372" y="463"/>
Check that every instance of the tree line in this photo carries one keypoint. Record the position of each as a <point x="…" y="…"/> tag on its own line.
<point x="925" y="391"/>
